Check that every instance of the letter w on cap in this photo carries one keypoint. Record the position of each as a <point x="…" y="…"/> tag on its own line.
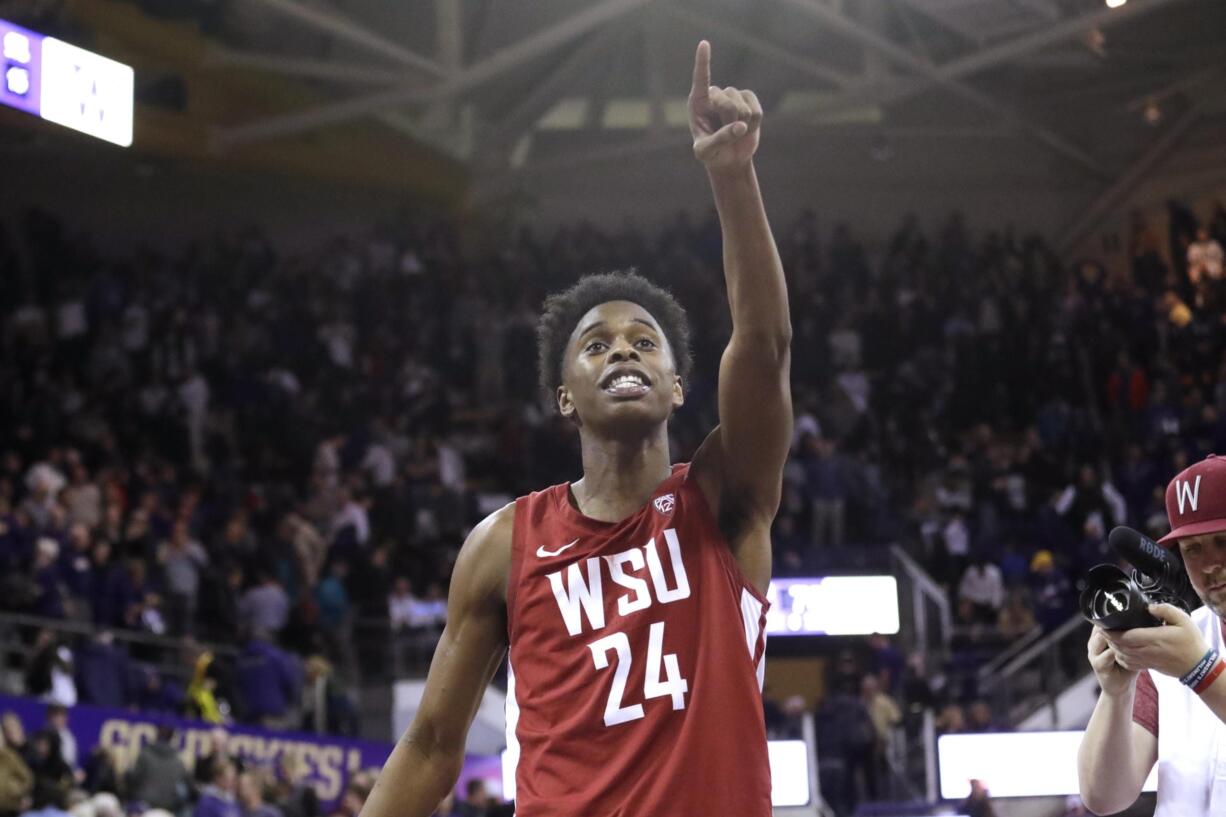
<point x="1189" y="493"/>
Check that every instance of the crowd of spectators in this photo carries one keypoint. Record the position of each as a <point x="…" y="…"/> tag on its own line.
<point x="279" y="451"/>
<point x="45" y="773"/>
<point x="1015" y="412"/>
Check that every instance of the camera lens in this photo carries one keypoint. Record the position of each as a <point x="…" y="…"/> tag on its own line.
<point x="1114" y="601"/>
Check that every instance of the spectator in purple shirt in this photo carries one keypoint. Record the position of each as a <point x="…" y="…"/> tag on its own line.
<point x="826" y="484"/>
<point x="104" y="584"/>
<point x="217" y="799"/>
<point x="1051" y="590"/>
<point x="251" y="797"/>
<point x="103" y="672"/>
<point x="1136" y="479"/>
<point x="269" y="680"/>
<point x="264" y="607"/>
<point x="75" y="571"/>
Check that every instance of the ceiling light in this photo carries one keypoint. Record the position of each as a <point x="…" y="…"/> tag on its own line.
<point x="1114" y="4"/>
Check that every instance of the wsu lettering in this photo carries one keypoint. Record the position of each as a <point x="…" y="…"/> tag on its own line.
<point x="580" y="588"/>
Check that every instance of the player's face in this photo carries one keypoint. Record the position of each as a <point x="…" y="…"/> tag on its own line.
<point x="1205" y="559"/>
<point x="619" y="375"/>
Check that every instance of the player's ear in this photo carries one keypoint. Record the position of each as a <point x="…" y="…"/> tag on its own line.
<point x="678" y="392"/>
<point x="566" y="406"/>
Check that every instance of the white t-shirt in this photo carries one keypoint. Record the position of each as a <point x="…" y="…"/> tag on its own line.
<point x="450" y="466"/>
<point x="380" y="464"/>
<point x="957" y="538"/>
<point x="1191" y="741"/>
<point x="354" y="515"/>
<point x="983" y="586"/>
<point x="400" y="610"/>
<point x="1207" y="255"/>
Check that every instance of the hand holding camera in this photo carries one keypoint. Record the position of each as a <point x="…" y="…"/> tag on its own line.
<point x="1129" y="613"/>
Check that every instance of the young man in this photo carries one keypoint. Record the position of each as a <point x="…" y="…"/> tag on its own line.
<point x="1174" y="713"/>
<point x="632" y="600"/>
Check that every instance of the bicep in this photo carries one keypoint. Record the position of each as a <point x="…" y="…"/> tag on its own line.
<point x="755" y="420"/>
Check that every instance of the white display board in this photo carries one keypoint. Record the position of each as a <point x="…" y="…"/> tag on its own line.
<point x="87" y="92"/>
<point x="1013" y="764"/>
<point x="833" y="605"/>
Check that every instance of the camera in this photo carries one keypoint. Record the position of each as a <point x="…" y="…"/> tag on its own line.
<point x="1115" y="600"/>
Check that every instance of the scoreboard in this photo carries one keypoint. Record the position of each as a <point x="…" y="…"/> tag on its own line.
<point x="832" y="605"/>
<point x="66" y="84"/>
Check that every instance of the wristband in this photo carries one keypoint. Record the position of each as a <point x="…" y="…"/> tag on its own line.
<point x="1208" y="680"/>
<point x="1207" y="664"/>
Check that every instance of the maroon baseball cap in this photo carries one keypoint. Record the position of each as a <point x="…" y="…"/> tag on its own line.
<point x="1196" y="500"/>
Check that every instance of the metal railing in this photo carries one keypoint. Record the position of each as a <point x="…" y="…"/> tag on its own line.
<point x="1007" y="655"/>
<point x="928" y="734"/>
<point x="929" y="630"/>
<point x="1035" y="676"/>
<point x="167" y="654"/>
<point x="384" y="654"/>
<point x="931" y="624"/>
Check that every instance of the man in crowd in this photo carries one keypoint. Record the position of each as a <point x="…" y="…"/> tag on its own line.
<point x="159" y="779"/>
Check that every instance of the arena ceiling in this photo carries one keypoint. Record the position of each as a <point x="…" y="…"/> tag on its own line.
<point x="508" y="85"/>
<point x="448" y="97"/>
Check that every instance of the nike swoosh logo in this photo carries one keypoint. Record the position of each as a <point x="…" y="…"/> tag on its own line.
<point x="545" y="554"/>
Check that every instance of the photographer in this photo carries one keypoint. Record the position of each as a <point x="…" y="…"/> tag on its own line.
<point x="1163" y="688"/>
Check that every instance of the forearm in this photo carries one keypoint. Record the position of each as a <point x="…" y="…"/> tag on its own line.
<point x="757" y="292"/>
<point x="413" y="781"/>
<point x="1107" y="768"/>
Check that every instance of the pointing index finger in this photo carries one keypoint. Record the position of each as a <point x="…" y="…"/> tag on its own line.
<point x="702" y="71"/>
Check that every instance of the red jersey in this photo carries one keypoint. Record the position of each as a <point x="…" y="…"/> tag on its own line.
<point x="636" y="659"/>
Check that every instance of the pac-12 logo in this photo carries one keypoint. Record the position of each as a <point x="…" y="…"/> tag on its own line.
<point x="665" y="504"/>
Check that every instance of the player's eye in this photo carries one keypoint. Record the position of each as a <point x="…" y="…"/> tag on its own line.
<point x="595" y="346"/>
<point x="646" y="343"/>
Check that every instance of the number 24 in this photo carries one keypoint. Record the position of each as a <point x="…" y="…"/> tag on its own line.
<point x="673" y="686"/>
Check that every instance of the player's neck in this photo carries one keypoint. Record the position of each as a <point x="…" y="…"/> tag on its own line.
<point x="620" y="476"/>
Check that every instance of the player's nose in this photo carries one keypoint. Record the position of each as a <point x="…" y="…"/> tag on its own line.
<point x="623" y="351"/>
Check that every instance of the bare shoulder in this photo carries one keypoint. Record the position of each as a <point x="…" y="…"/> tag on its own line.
<point x="484" y="564"/>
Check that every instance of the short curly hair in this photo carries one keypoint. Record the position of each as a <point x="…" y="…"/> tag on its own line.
<point x="563" y="310"/>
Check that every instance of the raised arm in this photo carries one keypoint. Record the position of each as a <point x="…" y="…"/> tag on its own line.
<point x="427" y="760"/>
<point x="741" y="464"/>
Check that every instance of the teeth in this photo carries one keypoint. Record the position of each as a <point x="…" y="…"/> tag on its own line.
<point x="626" y="380"/>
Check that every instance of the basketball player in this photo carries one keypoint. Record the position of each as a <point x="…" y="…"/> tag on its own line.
<point x="633" y="600"/>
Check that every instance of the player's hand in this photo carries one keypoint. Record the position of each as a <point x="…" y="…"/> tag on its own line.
<point x="725" y="122"/>
<point x="1112" y="677"/>
<point x="1172" y="649"/>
